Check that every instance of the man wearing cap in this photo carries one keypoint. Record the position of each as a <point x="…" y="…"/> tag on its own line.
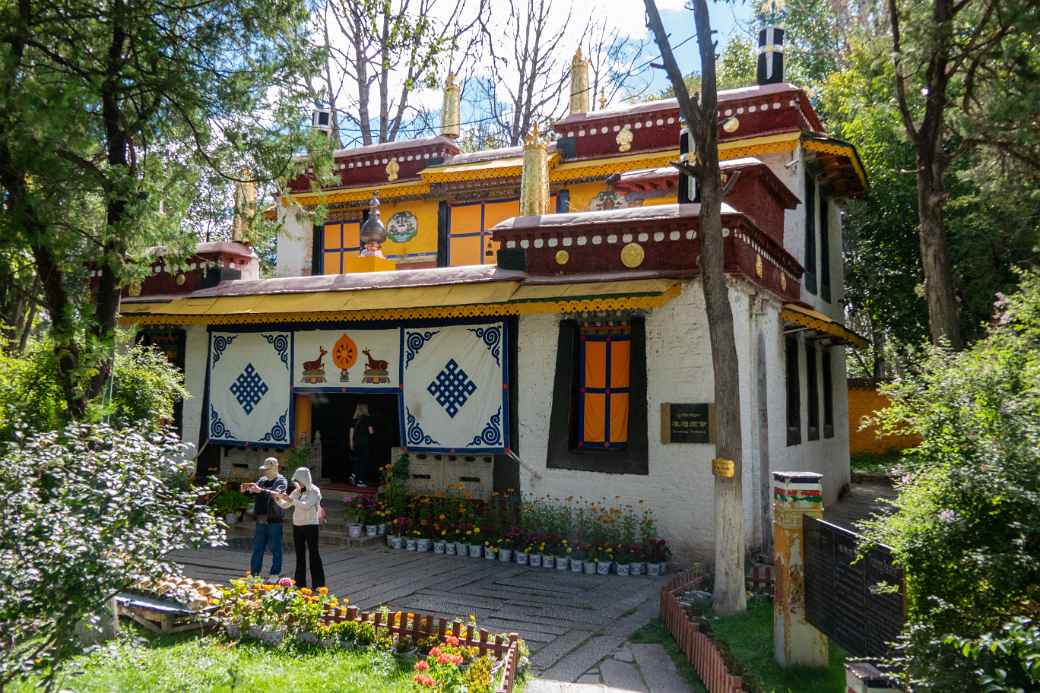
<point x="268" y="517"/>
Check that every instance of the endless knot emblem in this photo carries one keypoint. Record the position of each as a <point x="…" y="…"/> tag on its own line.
<point x="249" y="388"/>
<point x="451" y="388"/>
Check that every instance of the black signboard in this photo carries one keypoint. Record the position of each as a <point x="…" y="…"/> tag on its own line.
<point x="858" y="604"/>
<point x="687" y="423"/>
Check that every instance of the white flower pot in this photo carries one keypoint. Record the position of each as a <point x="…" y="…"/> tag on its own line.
<point x="603" y="567"/>
<point x="653" y="569"/>
<point x="393" y="541"/>
<point x="490" y="555"/>
<point x="371" y="530"/>
<point x="410" y="543"/>
<point x="476" y="550"/>
<point x="382" y="528"/>
<point x="548" y="562"/>
<point x="521" y="558"/>
<point x="590" y="567"/>
<point x="535" y="560"/>
<point x="563" y="563"/>
<point x="355" y="529"/>
<point x="505" y="555"/>
<point x="449" y="548"/>
<point x="461" y="549"/>
<point x="637" y="568"/>
<point x="577" y="565"/>
<point x="622" y="568"/>
<point x="422" y="545"/>
<point x="438" y="547"/>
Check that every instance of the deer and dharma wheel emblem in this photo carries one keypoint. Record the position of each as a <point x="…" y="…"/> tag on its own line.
<point x="344" y="355"/>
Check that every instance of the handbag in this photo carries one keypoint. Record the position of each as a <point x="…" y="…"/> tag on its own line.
<point x="321" y="514"/>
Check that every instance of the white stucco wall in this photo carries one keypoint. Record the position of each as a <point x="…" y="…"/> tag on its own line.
<point x="295" y="242"/>
<point x="195" y="348"/>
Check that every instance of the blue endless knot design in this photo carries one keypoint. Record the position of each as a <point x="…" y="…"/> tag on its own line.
<point x="451" y="388"/>
<point x="249" y="388"/>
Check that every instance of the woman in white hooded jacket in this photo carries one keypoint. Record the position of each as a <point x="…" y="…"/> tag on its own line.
<point x="305" y="500"/>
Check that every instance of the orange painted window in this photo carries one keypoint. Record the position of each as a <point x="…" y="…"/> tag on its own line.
<point x="475" y="221"/>
<point x="337" y="240"/>
<point x="605" y="355"/>
<point x="465" y="250"/>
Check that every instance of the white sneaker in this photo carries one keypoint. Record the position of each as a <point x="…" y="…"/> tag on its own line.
<point x="361" y="484"/>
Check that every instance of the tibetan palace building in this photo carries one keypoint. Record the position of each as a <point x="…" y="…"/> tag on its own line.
<point x="531" y="318"/>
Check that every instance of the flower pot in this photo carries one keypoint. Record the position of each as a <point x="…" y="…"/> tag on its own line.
<point x="476" y="550"/>
<point x="490" y="555"/>
<point x="393" y="541"/>
<point x="410" y="543"/>
<point x="354" y="529"/>
<point x="460" y="549"/>
<point x="590" y="567"/>
<point x="622" y="568"/>
<point x="577" y="565"/>
<point x="562" y="563"/>
<point x="371" y="530"/>
<point x="449" y="548"/>
<point x="637" y="568"/>
<point x="233" y="631"/>
<point x="231" y="518"/>
<point x="505" y="555"/>
<point x="653" y="569"/>
<point x="382" y="528"/>
<point x="548" y="562"/>
<point x="603" y="567"/>
<point x="534" y="560"/>
<point x="422" y="545"/>
<point x="521" y="558"/>
<point x="438" y="547"/>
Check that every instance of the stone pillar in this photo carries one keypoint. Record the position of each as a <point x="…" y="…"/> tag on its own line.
<point x="795" y="641"/>
<point x="580" y="96"/>
<point x="450" y="113"/>
<point x="534" y="183"/>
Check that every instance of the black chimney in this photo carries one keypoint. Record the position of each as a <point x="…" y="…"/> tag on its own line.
<point x="771" y="55"/>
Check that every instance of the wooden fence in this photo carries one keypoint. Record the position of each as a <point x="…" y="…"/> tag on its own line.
<point x="418" y="627"/>
<point x="702" y="653"/>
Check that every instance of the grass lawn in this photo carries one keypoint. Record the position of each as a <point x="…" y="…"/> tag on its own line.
<point x="655" y="633"/>
<point x="214" y="664"/>
<point x="748" y="637"/>
<point x="875" y="463"/>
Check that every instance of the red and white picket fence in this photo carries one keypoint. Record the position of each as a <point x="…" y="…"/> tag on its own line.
<point x="504" y="648"/>
<point x="700" y="650"/>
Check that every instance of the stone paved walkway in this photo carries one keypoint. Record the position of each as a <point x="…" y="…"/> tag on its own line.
<point x="571" y="622"/>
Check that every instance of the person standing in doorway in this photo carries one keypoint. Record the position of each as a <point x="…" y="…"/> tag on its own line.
<point x="268" y="517"/>
<point x="305" y="500"/>
<point x="361" y="432"/>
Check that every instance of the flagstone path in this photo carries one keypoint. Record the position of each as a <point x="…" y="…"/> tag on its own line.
<point x="574" y="624"/>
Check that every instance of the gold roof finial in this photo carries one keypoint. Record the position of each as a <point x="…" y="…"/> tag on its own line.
<point x="602" y="101"/>
<point x="577" y="57"/>
<point x="534" y="137"/>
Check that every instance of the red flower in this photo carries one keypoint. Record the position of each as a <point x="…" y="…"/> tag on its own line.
<point x="422" y="665"/>
<point x="424" y="680"/>
<point x="435" y="651"/>
<point x="452" y="640"/>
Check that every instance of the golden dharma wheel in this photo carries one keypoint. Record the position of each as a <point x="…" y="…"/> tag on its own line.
<point x="344" y="353"/>
<point x="632" y="255"/>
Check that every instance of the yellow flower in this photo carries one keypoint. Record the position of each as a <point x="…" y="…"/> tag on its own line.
<point x="323" y="590"/>
<point x="305" y="590"/>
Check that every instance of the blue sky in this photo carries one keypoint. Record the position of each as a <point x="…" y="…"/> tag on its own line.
<point x="726" y="19"/>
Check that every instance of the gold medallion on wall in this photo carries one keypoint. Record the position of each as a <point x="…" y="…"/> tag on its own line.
<point x="562" y="257"/>
<point x="392" y="169"/>
<point x="624" y="139"/>
<point x="758" y="266"/>
<point x="632" y="255"/>
<point x="783" y="281"/>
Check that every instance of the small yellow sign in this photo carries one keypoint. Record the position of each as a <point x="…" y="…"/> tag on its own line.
<point x="720" y="466"/>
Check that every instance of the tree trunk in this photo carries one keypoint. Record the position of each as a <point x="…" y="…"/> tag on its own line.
<point x="729" y="591"/>
<point x="943" y="321"/>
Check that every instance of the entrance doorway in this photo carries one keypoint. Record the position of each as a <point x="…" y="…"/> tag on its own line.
<point x="332" y="414"/>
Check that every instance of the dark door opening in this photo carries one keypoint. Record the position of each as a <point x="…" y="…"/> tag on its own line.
<point x="332" y="415"/>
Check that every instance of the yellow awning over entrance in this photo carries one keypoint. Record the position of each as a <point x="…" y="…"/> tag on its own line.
<point x="407" y="302"/>
<point x="818" y="322"/>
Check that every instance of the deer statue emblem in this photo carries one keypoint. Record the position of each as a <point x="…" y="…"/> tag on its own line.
<point x="314" y="371"/>
<point x="376" y="371"/>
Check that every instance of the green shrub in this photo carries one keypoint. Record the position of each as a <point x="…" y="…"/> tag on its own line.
<point x="30" y="393"/>
<point x="966" y="526"/>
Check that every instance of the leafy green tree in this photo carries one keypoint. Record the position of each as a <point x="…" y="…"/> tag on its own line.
<point x="89" y="510"/>
<point x="111" y="115"/>
<point x="966" y="526"/>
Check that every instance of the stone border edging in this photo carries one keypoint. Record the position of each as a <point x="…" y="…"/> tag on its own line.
<point x="701" y="651"/>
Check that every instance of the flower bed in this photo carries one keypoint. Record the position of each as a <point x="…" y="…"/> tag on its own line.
<point x="274" y="613"/>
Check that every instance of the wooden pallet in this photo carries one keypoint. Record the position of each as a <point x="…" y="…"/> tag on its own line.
<point x="158" y="615"/>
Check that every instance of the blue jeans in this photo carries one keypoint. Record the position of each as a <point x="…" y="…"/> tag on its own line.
<point x="267" y="534"/>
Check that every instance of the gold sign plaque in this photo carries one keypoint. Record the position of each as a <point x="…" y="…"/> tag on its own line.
<point x="720" y="466"/>
<point x="632" y="255"/>
<point x="562" y="257"/>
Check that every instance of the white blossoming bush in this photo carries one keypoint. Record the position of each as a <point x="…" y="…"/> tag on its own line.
<point x="87" y="511"/>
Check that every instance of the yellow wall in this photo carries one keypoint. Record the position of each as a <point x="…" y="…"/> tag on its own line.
<point x="425" y="240"/>
<point x="582" y="194"/>
<point x="864" y="402"/>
